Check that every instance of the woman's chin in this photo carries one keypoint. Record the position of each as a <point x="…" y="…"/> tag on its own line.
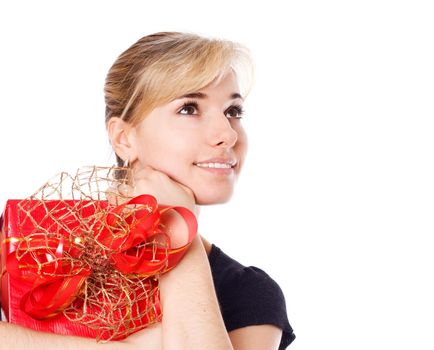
<point x="212" y="198"/>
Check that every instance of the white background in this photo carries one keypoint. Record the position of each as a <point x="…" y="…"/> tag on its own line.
<point x="336" y="199"/>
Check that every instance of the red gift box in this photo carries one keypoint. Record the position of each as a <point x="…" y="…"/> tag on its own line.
<point x="35" y="295"/>
<point x="13" y="289"/>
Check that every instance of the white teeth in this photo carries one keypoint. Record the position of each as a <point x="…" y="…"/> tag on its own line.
<point x="214" y="165"/>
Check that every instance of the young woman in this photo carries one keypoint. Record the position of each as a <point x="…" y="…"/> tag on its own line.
<point x="173" y="116"/>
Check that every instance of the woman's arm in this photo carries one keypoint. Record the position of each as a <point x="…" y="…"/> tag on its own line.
<point x="261" y="337"/>
<point x="191" y="314"/>
<point x="20" y="338"/>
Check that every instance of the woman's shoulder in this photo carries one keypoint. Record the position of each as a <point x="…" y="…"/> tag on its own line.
<point x="248" y="295"/>
<point x="227" y="270"/>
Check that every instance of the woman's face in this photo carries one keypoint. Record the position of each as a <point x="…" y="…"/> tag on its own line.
<point x="175" y="137"/>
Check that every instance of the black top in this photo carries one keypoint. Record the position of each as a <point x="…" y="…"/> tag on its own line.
<point x="248" y="296"/>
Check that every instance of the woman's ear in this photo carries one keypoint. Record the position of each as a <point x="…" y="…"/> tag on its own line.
<point x="121" y="139"/>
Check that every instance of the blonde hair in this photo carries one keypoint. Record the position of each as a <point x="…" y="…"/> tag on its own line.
<point x="163" y="66"/>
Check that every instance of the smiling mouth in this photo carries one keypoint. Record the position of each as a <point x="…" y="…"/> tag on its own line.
<point x="215" y="165"/>
<point x="222" y="170"/>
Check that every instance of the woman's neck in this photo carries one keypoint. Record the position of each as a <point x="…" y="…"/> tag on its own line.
<point x="207" y="245"/>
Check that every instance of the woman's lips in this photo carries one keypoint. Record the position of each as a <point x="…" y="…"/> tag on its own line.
<point x="230" y="161"/>
<point x="218" y="171"/>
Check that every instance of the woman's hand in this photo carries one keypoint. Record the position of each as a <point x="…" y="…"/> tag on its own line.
<point x="169" y="192"/>
<point x="166" y="190"/>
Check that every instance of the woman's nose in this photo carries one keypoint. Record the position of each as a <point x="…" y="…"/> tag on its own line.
<point x="222" y="131"/>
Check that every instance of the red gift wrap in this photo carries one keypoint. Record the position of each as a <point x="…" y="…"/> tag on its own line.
<point x="87" y="267"/>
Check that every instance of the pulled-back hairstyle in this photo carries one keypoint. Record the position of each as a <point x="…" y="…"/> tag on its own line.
<point x="164" y="66"/>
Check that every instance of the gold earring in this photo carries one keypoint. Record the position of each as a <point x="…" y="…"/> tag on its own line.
<point x="126" y="163"/>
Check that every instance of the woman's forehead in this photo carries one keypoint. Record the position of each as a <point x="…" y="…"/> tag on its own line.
<point x="227" y="81"/>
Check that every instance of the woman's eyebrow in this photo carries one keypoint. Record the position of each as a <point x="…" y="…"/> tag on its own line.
<point x="201" y="95"/>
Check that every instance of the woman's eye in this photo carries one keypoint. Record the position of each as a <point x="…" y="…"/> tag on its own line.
<point x="236" y="112"/>
<point x="189" y="108"/>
